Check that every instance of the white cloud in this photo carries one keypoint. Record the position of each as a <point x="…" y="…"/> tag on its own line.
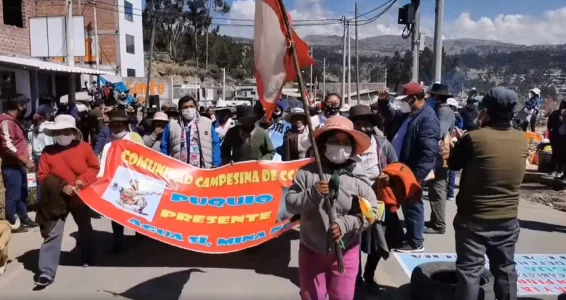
<point x="519" y="29"/>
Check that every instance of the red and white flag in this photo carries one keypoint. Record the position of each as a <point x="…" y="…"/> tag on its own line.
<point x="274" y="65"/>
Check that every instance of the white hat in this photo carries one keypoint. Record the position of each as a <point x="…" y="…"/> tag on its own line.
<point x="221" y="104"/>
<point x="62" y="122"/>
<point x="453" y="102"/>
<point x="160" y="116"/>
<point x="536" y="91"/>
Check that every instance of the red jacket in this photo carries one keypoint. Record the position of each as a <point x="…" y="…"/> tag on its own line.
<point x="403" y="187"/>
<point x="13" y="142"/>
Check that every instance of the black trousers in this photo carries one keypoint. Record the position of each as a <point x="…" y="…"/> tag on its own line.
<point x="474" y="240"/>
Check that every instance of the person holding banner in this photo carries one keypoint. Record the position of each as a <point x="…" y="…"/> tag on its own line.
<point x="246" y="141"/>
<point x="66" y="166"/>
<point x="191" y="139"/>
<point x="119" y="127"/>
<point x="348" y="188"/>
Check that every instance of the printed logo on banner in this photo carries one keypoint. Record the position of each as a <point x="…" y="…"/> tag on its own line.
<point x="135" y="193"/>
<point x="218" y="210"/>
<point x="539" y="274"/>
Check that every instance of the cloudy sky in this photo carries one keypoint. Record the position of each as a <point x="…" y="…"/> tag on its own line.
<point x="522" y="22"/>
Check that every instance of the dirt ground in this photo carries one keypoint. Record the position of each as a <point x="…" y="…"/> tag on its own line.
<point x="539" y="193"/>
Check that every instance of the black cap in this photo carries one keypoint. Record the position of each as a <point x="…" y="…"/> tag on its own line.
<point x="16" y="100"/>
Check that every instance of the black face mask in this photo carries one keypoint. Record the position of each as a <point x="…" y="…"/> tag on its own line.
<point x="331" y="111"/>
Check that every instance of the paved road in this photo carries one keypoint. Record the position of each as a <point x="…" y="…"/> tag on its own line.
<point x="156" y="271"/>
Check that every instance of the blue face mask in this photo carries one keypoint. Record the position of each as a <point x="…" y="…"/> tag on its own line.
<point x="431" y="102"/>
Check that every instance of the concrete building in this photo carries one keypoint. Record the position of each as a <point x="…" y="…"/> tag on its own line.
<point x="120" y="33"/>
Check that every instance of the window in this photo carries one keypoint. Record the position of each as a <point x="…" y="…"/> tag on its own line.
<point x="12" y="10"/>
<point x="128" y="11"/>
<point x="7" y="84"/>
<point x="130" y="44"/>
<point x="131" y="72"/>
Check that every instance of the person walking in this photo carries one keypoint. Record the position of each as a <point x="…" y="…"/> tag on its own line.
<point x="556" y="127"/>
<point x="296" y="142"/>
<point x="16" y="161"/>
<point x="416" y="136"/>
<point x="374" y="160"/>
<point x="459" y="123"/>
<point x="330" y="107"/>
<point x="192" y="139"/>
<point x="535" y="103"/>
<point x="120" y="130"/>
<point x="246" y="141"/>
<point x="38" y="139"/>
<point x="492" y="160"/>
<point x="159" y="122"/>
<point x="65" y="167"/>
<point x="437" y="187"/>
<point x="344" y="180"/>
<point x="95" y="121"/>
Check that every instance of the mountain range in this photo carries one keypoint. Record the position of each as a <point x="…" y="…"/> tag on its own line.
<point x="388" y="44"/>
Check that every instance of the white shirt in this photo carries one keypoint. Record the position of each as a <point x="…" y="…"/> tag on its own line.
<point x="370" y="162"/>
<point x="39" y="140"/>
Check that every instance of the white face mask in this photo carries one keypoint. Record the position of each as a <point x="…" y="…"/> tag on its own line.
<point x="120" y="135"/>
<point x="338" y="154"/>
<point x="64" y="140"/>
<point x="189" y="113"/>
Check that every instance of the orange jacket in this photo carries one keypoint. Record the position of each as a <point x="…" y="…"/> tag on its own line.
<point x="403" y="187"/>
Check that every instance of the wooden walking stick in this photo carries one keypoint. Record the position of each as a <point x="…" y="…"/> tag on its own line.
<point x="329" y="206"/>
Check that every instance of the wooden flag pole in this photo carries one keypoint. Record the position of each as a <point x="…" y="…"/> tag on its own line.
<point x="327" y="200"/>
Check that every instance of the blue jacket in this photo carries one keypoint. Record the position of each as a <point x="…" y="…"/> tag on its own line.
<point x="104" y="137"/>
<point x="216" y="156"/>
<point x="420" y="144"/>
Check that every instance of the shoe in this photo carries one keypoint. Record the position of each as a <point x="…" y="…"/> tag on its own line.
<point x="29" y="223"/>
<point x="553" y="174"/>
<point x="427" y="224"/>
<point x="434" y="231"/>
<point x="406" y="248"/>
<point x="558" y="175"/>
<point x="17" y="224"/>
<point x="451" y="198"/>
<point x="20" y="229"/>
<point x="43" y="281"/>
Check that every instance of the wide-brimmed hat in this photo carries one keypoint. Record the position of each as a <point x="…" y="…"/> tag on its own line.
<point x="453" y="102"/>
<point x="360" y="111"/>
<point x="536" y="91"/>
<point x="343" y="124"/>
<point x="440" y="89"/>
<point x="245" y="112"/>
<point x="294" y="112"/>
<point x="62" y="122"/>
<point x="221" y="104"/>
<point x="118" y="115"/>
<point x="160" y="116"/>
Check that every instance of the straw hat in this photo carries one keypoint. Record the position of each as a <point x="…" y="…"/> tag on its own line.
<point x="343" y="124"/>
<point x="62" y="122"/>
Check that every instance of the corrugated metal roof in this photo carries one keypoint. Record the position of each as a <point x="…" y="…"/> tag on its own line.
<point x="49" y="66"/>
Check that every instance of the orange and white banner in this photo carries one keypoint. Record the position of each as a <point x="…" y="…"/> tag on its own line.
<point x="211" y="211"/>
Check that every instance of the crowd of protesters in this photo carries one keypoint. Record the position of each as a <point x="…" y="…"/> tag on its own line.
<point x="379" y="155"/>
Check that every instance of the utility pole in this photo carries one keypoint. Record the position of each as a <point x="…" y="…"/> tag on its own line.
<point x="416" y="37"/>
<point x="206" y="37"/>
<point x="224" y="84"/>
<point x="344" y="62"/>
<point x="96" y="44"/>
<point x="151" y="43"/>
<point x="438" y="40"/>
<point x="324" y="77"/>
<point x="349" y="64"/>
<point x="357" y="61"/>
<point x="310" y="88"/>
<point x="385" y="78"/>
<point x="70" y="53"/>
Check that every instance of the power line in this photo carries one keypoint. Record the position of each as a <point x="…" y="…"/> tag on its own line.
<point x="371" y="20"/>
<point x="369" y="12"/>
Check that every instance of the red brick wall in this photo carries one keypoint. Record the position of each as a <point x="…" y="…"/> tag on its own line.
<point x="15" y="40"/>
<point x="107" y="23"/>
